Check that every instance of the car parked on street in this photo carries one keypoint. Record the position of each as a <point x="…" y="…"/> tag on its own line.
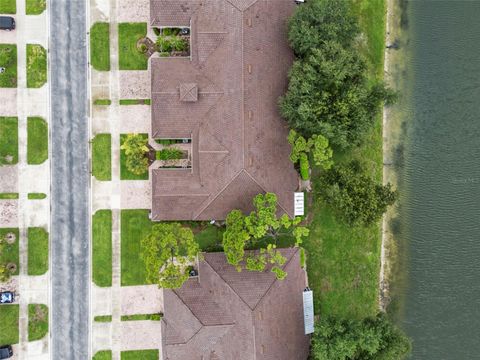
<point x="6" y="352"/>
<point x="7" y="23"/>
<point x="7" y="297"/>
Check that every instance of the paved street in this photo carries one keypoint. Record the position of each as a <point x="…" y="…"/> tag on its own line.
<point x="70" y="201"/>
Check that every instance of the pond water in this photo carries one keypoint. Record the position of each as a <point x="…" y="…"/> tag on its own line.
<point x="437" y="299"/>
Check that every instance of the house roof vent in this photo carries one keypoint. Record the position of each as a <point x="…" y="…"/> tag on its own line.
<point x="188" y="92"/>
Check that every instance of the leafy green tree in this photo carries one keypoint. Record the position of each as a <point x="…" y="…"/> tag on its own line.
<point x="369" y="339"/>
<point x="319" y="21"/>
<point x="246" y="231"/>
<point x="136" y="150"/>
<point x="354" y="195"/>
<point x="329" y="94"/>
<point x="167" y="252"/>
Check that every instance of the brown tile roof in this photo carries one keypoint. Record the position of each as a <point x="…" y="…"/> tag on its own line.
<point x="243" y="316"/>
<point x="225" y="99"/>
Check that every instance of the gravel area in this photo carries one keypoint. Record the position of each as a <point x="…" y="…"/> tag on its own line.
<point x="8" y="213"/>
<point x="133" y="11"/>
<point x="135" y="84"/>
<point x="146" y="299"/>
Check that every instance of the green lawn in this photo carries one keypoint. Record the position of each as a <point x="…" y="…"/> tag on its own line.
<point x="37" y="321"/>
<point x="37" y="140"/>
<point x="103" y="318"/>
<point x="8" y="60"/>
<point x="125" y="174"/>
<point x="139" y="355"/>
<point x="343" y="262"/>
<point x="8" y="6"/>
<point x="8" y="140"/>
<point x="102" y="157"/>
<point x="129" y="57"/>
<point x="209" y="237"/>
<point x="100" y="46"/>
<point x="35" y="7"/>
<point x="135" y="225"/>
<point x="102" y="247"/>
<point x="103" y="355"/>
<point x="36" y="196"/>
<point x="37" y="251"/>
<point x="9" y="324"/>
<point x="8" y="196"/>
<point x="36" y="66"/>
<point x="11" y="252"/>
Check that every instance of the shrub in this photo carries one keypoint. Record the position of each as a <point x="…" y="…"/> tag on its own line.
<point x="172" y="153"/>
<point x="136" y="150"/>
<point x="304" y="167"/>
<point x="170" y="43"/>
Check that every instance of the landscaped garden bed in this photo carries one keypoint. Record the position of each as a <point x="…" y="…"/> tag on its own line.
<point x="37" y="251"/>
<point x="173" y="41"/>
<point x="37" y="141"/>
<point x="100" y="46"/>
<point x="134" y="166"/>
<point x="8" y="61"/>
<point x="36" y="66"/>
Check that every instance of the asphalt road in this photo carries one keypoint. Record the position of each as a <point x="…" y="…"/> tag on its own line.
<point x="70" y="180"/>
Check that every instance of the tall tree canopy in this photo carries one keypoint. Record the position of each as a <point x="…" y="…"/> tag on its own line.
<point x="167" y="251"/>
<point x="368" y="339"/>
<point x="136" y="150"/>
<point x="354" y="195"/>
<point x="246" y="231"/>
<point x="329" y="92"/>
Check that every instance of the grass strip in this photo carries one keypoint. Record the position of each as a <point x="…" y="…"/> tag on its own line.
<point x="102" y="157"/>
<point x="37" y="140"/>
<point x="36" y="196"/>
<point x="103" y="318"/>
<point x="8" y="60"/>
<point x="139" y="355"/>
<point x="102" y="102"/>
<point x="9" y="196"/>
<point x="130" y="58"/>
<point x="9" y="324"/>
<point x="103" y="355"/>
<point x="138" y="317"/>
<point x="10" y="253"/>
<point x="37" y="321"/>
<point x="100" y="46"/>
<point x="125" y="174"/>
<point x="102" y="248"/>
<point x="135" y="102"/>
<point x="37" y="251"/>
<point x="36" y="66"/>
<point x="35" y="7"/>
<point x="8" y="140"/>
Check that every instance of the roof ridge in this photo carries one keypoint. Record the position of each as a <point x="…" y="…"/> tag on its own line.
<point x="218" y="194"/>
<point x="225" y="281"/>
<point x="276" y="280"/>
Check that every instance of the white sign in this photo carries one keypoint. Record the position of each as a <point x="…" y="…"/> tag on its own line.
<point x="299" y="204"/>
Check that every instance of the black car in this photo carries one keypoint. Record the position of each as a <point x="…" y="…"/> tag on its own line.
<point x="6" y="352"/>
<point x="7" y="23"/>
<point x="7" y="297"/>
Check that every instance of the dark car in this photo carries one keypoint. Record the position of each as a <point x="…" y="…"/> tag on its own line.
<point x="7" y="23"/>
<point x="7" y="297"/>
<point x="6" y="352"/>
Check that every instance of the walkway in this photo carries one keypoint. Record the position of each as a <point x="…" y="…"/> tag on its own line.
<point x="70" y="216"/>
